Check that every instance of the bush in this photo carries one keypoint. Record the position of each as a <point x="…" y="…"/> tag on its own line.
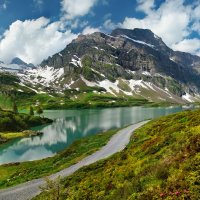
<point x="10" y="121"/>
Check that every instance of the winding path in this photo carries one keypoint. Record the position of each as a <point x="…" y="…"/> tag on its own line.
<point x="30" y="189"/>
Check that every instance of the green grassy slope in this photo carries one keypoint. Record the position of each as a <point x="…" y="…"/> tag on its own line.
<point x="86" y="97"/>
<point x="72" y="99"/>
<point x="162" y="161"/>
<point x="5" y="102"/>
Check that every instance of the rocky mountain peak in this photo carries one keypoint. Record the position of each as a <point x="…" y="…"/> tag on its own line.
<point x="20" y="62"/>
<point x="137" y="32"/>
<point x="97" y="37"/>
<point x="144" y="35"/>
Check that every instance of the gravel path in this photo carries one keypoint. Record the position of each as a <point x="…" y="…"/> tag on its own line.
<point x="30" y="189"/>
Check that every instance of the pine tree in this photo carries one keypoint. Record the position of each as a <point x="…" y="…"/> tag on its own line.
<point x="31" y="112"/>
<point x="15" y="109"/>
<point x="39" y="110"/>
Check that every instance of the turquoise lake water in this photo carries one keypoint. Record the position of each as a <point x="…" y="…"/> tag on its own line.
<point x="71" y="125"/>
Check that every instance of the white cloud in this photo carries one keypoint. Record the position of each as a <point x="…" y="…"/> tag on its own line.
<point x="33" y="40"/>
<point x="109" y="25"/>
<point x="4" y="5"/>
<point x="188" y="45"/>
<point x="76" y="8"/>
<point x="145" y="6"/>
<point x="90" y="30"/>
<point x="173" y="21"/>
<point x="196" y="17"/>
<point x="38" y="3"/>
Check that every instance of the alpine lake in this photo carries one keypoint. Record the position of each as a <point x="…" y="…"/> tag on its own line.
<point x="71" y="125"/>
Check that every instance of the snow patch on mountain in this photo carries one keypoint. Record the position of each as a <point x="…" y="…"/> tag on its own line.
<point x="97" y="72"/>
<point x="89" y="83"/>
<point x="136" y="87"/>
<point x="155" y="36"/>
<point x="138" y="41"/>
<point x="146" y="73"/>
<point x="188" y="97"/>
<point x="42" y="75"/>
<point x="112" y="46"/>
<point x="22" y="84"/>
<point x="110" y="86"/>
<point x="134" y="84"/>
<point x="76" y="61"/>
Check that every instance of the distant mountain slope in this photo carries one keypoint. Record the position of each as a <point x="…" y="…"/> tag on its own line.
<point x="20" y="62"/>
<point x="125" y="63"/>
<point x="16" y="65"/>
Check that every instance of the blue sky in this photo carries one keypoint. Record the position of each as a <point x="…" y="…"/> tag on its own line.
<point x="30" y="9"/>
<point x="36" y="29"/>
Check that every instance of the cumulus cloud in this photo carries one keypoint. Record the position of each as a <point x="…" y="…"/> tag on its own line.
<point x="90" y="30"/>
<point x="76" y="8"/>
<point x="188" y="45"/>
<point x="109" y="25"/>
<point x="145" y="6"/>
<point x="172" y="20"/>
<point x="33" y="40"/>
<point x="196" y="17"/>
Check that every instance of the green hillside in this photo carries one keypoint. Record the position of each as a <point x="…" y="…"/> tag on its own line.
<point x="162" y="161"/>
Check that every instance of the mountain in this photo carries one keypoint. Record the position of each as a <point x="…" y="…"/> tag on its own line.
<point x="20" y="62"/>
<point x="16" y="65"/>
<point x="126" y="63"/>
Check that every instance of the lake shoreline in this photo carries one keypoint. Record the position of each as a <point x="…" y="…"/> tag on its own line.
<point x="9" y="136"/>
